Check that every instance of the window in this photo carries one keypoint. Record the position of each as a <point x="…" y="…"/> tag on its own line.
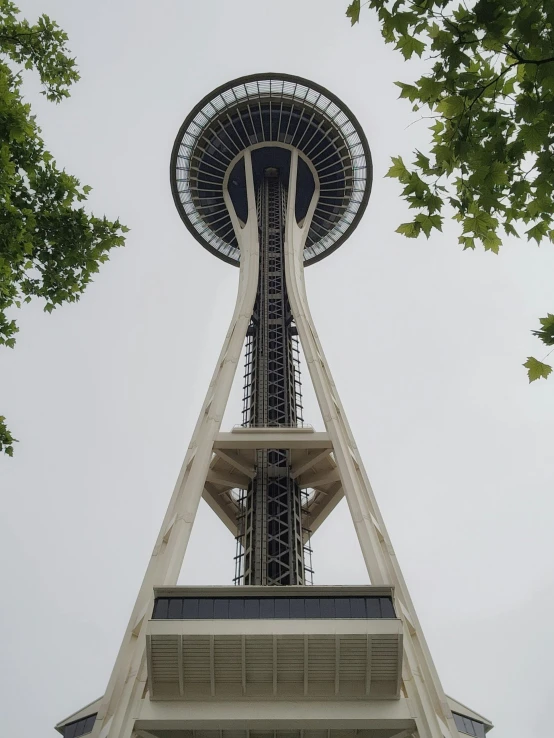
<point x="79" y="727"/>
<point x="280" y="608"/>
<point x="468" y="726"/>
<point x="175" y="610"/>
<point x="267" y="607"/>
<point x="327" y="607"/>
<point x="252" y="608"/>
<point x="190" y="608"/>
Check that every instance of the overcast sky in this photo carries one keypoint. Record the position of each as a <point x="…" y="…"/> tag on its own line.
<point x="425" y="343"/>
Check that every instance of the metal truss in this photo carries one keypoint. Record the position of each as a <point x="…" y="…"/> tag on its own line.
<point x="270" y="541"/>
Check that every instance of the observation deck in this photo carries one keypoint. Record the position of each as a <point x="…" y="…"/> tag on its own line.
<point x="274" y="643"/>
<point x="270" y="115"/>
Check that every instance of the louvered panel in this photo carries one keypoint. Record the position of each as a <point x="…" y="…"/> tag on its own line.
<point x="321" y="658"/>
<point x="384" y="658"/>
<point x="233" y="664"/>
<point x="196" y="659"/>
<point x="259" y="659"/>
<point x="353" y="658"/>
<point x="290" y="659"/>
<point x="165" y="665"/>
<point x="228" y="659"/>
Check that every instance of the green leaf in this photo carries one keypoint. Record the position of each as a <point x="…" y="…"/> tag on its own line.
<point x="546" y="333"/>
<point x="408" y="91"/>
<point x="430" y="89"/>
<point x="353" y="12"/>
<point x="537" y="232"/>
<point x="410" y="230"/>
<point x="535" y="134"/>
<point x="428" y="222"/>
<point x="536" y="369"/>
<point x="6" y="438"/>
<point x="496" y="174"/>
<point x="491" y="242"/>
<point x="451" y="106"/>
<point x="410" y="45"/>
<point x="398" y="169"/>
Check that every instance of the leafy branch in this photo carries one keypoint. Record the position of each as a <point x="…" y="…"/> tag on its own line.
<point x="50" y="247"/>
<point x="490" y="87"/>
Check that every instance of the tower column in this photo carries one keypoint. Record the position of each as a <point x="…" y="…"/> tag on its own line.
<point x="169" y="551"/>
<point x="434" y="716"/>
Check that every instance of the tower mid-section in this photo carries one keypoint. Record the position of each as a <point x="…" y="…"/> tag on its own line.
<point x="270" y="129"/>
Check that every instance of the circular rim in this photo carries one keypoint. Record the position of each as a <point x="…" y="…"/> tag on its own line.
<point x="286" y="78"/>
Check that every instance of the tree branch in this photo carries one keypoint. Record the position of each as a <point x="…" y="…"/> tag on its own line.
<point x="522" y="60"/>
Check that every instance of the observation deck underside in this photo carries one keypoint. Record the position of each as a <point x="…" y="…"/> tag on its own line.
<point x="271" y="111"/>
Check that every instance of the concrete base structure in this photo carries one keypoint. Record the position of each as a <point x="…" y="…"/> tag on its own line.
<point x="226" y="662"/>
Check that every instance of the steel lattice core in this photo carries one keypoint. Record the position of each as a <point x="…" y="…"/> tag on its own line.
<point x="270" y="540"/>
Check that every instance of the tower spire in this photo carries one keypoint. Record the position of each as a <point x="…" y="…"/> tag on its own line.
<point x="272" y="173"/>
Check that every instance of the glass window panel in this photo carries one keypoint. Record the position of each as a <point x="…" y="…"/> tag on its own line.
<point x="327" y="605"/>
<point x="468" y="726"/>
<point x="267" y="607"/>
<point x="312" y="607"/>
<point x="175" y="610"/>
<point x="372" y="607"/>
<point x="80" y="728"/>
<point x="282" y="607"/>
<point x="160" y="608"/>
<point x="69" y="730"/>
<point x="458" y="719"/>
<point x="342" y="607"/>
<point x="357" y="607"/>
<point x="221" y="608"/>
<point x="297" y="607"/>
<point x="89" y="725"/>
<point x="206" y="608"/>
<point x="252" y="608"/>
<point x="479" y="729"/>
<point x="190" y="608"/>
<point x="387" y="610"/>
<point x="236" y="608"/>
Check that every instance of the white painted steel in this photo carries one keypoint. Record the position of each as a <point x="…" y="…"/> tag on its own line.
<point x="421" y="681"/>
<point x="126" y="699"/>
<point x="125" y="688"/>
<point x="270" y="715"/>
<point x="346" y="659"/>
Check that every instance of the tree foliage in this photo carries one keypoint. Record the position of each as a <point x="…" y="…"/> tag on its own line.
<point x="489" y="93"/>
<point x="49" y="246"/>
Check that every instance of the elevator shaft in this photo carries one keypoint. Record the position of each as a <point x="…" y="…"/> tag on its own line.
<point x="270" y="534"/>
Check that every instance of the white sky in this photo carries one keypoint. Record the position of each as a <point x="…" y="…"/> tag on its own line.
<point x="425" y="342"/>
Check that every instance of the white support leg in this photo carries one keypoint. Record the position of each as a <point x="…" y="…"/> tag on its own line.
<point x="433" y="716"/>
<point x="127" y="682"/>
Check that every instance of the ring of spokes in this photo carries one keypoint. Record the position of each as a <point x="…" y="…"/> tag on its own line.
<point x="271" y="109"/>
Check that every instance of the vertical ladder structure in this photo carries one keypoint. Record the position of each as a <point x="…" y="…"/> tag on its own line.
<point x="272" y="173"/>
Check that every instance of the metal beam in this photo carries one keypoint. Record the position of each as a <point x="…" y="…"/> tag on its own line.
<point x="310" y="462"/>
<point x="278" y="438"/>
<point x="234" y="460"/>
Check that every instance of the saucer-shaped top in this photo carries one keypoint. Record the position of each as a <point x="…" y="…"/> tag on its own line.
<point x="270" y="113"/>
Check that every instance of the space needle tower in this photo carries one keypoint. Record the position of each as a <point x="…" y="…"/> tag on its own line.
<point x="272" y="173"/>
